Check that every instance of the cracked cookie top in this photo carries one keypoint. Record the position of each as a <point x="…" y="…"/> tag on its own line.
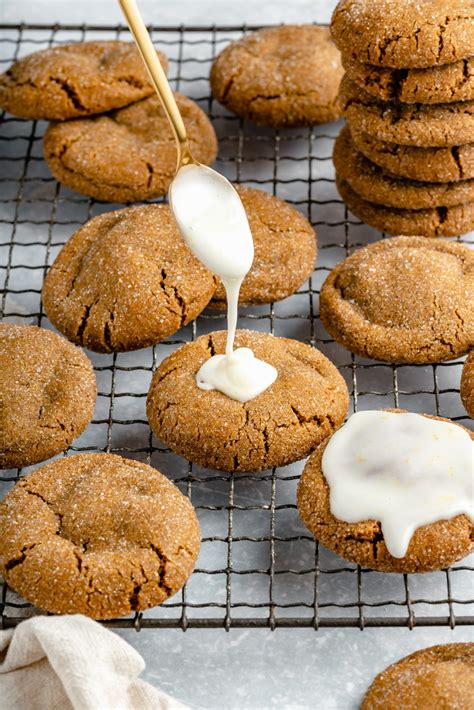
<point x="97" y="534"/>
<point x="432" y="547"/>
<point x="422" y="164"/>
<point x="282" y="77"/>
<point x="75" y="80"/>
<point x="126" y="155"/>
<point x="285" y="250"/>
<point x="420" y="125"/>
<point x="373" y="184"/>
<point x="47" y="394"/>
<point x="436" y="85"/>
<point x="435" y="677"/>
<point x="305" y="404"/>
<point x="126" y="280"/>
<point x="404" y="33"/>
<point x="467" y="385"/>
<point x="408" y="299"/>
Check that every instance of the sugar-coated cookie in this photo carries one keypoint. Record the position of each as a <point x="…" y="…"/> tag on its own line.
<point x="47" y="394"/>
<point x="373" y="184"/>
<point x="404" y="33"/>
<point x="435" y="677"/>
<point x="126" y="280"/>
<point x="306" y="403"/>
<point x="432" y="125"/>
<point x="97" y="534"/>
<point x="285" y="250"/>
<point x="75" y="80"/>
<point x="407" y="299"/>
<point x="431" y="222"/>
<point x="126" y="155"/>
<point x="282" y="76"/>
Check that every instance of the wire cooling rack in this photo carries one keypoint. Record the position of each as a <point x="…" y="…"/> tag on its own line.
<point x="258" y="566"/>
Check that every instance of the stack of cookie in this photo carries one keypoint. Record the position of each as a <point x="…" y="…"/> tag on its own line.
<point x="405" y="162"/>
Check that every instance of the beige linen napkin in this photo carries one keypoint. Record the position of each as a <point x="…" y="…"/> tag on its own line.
<point x="63" y="662"/>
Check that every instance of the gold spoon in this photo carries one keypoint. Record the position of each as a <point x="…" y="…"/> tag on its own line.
<point x="159" y="80"/>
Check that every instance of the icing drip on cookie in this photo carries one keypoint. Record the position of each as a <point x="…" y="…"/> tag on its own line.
<point x="404" y="470"/>
<point x="214" y="225"/>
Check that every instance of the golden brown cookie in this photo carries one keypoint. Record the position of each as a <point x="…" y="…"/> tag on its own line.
<point x="97" y="534"/>
<point x="404" y="33"/>
<point x="282" y="77"/>
<point x="306" y="403"/>
<point x="127" y="155"/>
<point x="436" y="85"/>
<point x="47" y="394"/>
<point x="432" y="547"/>
<point x="75" y="80"/>
<point x="434" y="222"/>
<point x="467" y="385"/>
<point x="285" y="250"/>
<point x="431" y="126"/>
<point x="126" y="280"/>
<point x="371" y="183"/>
<point x="424" y="164"/>
<point x="435" y="677"/>
<point x="407" y="299"/>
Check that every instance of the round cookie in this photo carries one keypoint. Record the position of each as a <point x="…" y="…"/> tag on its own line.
<point x="374" y="185"/>
<point x="127" y="155"/>
<point x="432" y="547"/>
<point x="285" y="250"/>
<point x="407" y="299"/>
<point x="467" y="385"/>
<point x="435" y="125"/>
<point x="436" y="85"/>
<point x="434" y="222"/>
<point x="423" y="164"/>
<point x="97" y="534"/>
<point x="435" y="677"/>
<point x="283" y="77"/>
<point x="306" y="403"/>
<point x="126" y="280"/>
<point x="404" y="33"/>
<point x="47" y="394"/>
<point x="75" y="80"/>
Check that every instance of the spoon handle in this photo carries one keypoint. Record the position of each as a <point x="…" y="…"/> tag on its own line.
<point x="158" y="78"/>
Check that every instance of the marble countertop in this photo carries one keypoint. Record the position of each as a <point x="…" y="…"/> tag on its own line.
<point x="250" y="669"/>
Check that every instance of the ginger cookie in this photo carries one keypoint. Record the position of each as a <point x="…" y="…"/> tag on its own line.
<point x="97" y="534"/>
<point x="126" y="280"/>
<point x="404" y="33"/>
<point x="467" y="385"/>
<point x="435" y="677"/>
<point x="307" y="402"/>
<point x="434" y="222"/>
<point x="407" y="299"/>
<point x="47" y="394"/>
<point x="423" y="164"/>
<point x="432" y="547"/>
<point x="285" y="250"/>
<point x="75" y="80"/>
<point x="283" y="77"/>
<point x="127" y="155"/>
<point x="371" y="183"/>
<point x="434" y="125"/>
<point x="436" y="85"/>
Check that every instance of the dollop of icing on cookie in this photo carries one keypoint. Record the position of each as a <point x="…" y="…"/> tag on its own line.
<point x="402" y="469"/>
<point x="213" y="222"/>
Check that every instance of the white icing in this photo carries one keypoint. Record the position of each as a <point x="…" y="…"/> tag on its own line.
<point x="214" y="224"/>
<point x="404" y="470"/>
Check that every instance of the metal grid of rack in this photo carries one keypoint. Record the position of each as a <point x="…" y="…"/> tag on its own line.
<point x="258" y="565"/>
